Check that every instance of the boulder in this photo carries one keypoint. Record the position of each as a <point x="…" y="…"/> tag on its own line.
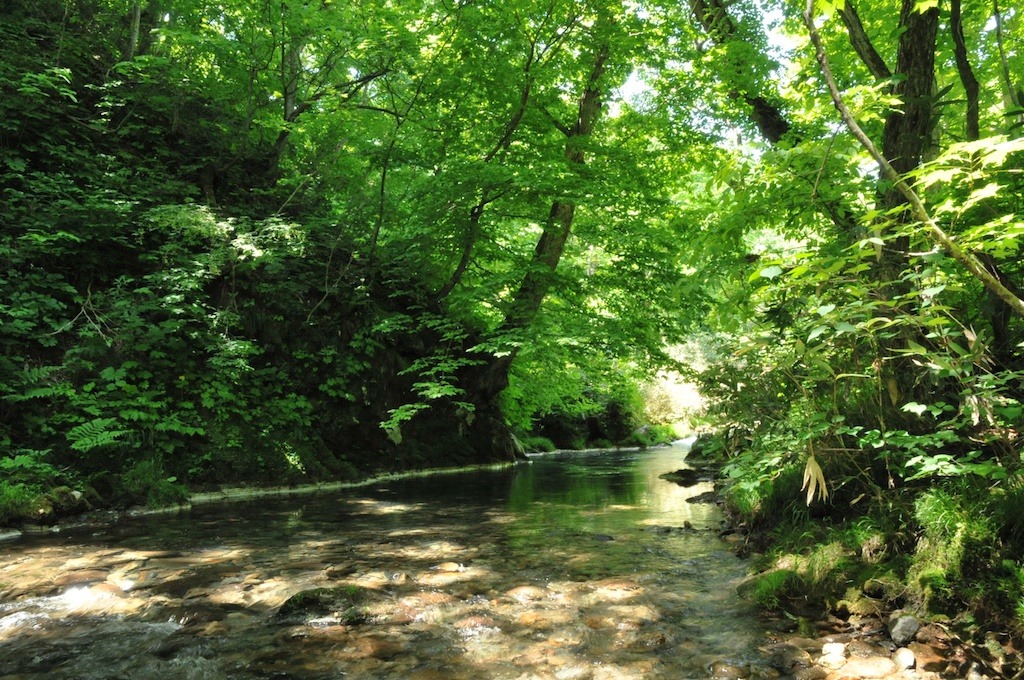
<point x="902" y="629"/>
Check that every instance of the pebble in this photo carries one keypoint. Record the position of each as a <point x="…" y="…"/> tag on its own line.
<point x="527" y="593"/>
<point x="904" y="658"/>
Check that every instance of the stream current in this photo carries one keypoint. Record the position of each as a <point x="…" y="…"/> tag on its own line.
<point x="579" y="565"/>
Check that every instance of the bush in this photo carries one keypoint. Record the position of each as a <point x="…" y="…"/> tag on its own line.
<point x="146" y="483"/>
<point x="16" y="503"/>
<point x="772" y="588"/>
<point x="536" y="444"/>
<point x="653" y="435"/>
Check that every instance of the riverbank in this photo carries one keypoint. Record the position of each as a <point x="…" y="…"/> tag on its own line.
<point x="105" y="517"/>
<point x="825" y="630"/>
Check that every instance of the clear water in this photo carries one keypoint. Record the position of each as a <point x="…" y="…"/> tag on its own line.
<point x="562" y="568"/>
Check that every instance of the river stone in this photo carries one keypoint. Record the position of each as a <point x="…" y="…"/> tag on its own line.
<point x="904" y="658"/>
<point x="346" y="603"/>
<point x="376" y="647"/>
<point x="869" y="667"/>
<point x="786" y="657"/>
<point x="902" y="629"/>
<point x="475" y="621"/>
<point x="541" y="619"/>
<point x="833" y="649"/>
<point x="729" y="670"/>
<point x="832" y="661"/>
<point x="527" y="593"/>
<point x="77" y="578"/>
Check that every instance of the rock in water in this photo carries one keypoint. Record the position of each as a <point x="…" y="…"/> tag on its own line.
<point x="684" y="477"/>
<point x="344" y="603"/>
<point x="729" y="671"/>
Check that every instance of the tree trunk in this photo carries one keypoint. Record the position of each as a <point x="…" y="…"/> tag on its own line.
<point x="486" y="427"/>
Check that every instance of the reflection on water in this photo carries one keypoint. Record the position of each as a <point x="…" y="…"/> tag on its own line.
<point x="573" y="566"/>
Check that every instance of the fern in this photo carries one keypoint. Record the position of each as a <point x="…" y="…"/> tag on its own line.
<point x="94" y="434"/>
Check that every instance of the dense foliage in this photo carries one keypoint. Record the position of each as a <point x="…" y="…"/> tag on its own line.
<point x="296" y="242"/>
<point x="251" y="242"/>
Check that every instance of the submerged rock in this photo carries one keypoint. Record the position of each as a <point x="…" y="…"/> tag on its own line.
<point x="346" y="604"/>
<point x="729" y="670"/>
<point x="684" y="477"/>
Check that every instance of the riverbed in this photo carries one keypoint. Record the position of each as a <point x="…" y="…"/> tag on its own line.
<point x="582" y="565"/>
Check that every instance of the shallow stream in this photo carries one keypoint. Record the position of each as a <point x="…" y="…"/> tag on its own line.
<point x="572" y="566"/>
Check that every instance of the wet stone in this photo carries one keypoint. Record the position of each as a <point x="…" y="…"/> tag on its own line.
<point x="527" y="593"/>
<point x="82" y="577"/>
<point x="475" y="621"/>
<point x="729" y="670"/>
<point x="787" y="657"/>
<point x="543" y="619"/>
<point x="809" y="673"/>
<point x="376" y="647"/>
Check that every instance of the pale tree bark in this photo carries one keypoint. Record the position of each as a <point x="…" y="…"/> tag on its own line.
<point x="1011" y="93"/>
<point x="133" y="32"/>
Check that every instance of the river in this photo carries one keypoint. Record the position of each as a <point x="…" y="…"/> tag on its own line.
<point x="572" y="566"/>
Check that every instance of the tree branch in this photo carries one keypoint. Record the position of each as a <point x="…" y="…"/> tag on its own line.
<point x="862" y="43"/>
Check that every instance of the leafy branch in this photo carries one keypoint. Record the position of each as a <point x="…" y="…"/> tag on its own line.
<point x="917" y="207"/>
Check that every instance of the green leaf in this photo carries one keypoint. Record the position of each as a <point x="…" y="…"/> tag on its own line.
<point x="915" y="408"/>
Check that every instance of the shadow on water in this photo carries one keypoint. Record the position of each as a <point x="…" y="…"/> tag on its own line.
<point x="573" y="566"/>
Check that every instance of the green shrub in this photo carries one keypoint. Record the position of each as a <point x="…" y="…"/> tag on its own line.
<point x="771" y="589"/>
<point x="536" y="444"/>
<point x="955" y="536"/>
<point x="16" y="503"/>
<point x="146" y="483"/>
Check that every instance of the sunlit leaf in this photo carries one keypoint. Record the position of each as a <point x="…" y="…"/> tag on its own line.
<point x="814" y="481"/>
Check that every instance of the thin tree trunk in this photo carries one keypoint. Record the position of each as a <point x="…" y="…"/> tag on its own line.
<point x="534" y="286"/>
<point x="862" y="43"/>
<point x="1011" y="91"/>
<point x="963" y="67"/>
<point x="133" y="32"/>
<point x="490" y="380"/>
